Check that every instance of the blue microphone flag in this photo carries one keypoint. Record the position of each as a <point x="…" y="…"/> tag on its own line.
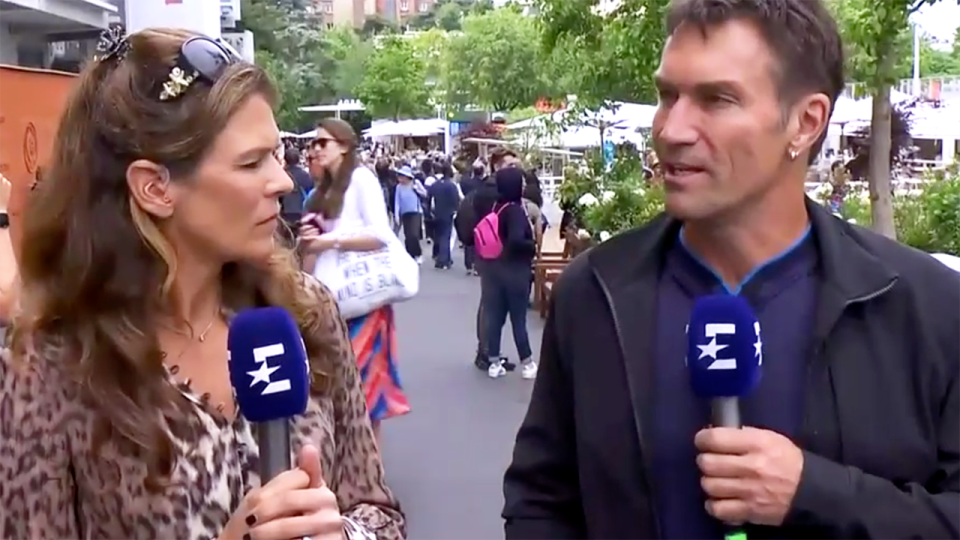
<point x="268" y="363"/>
<point x="724" y="347"/>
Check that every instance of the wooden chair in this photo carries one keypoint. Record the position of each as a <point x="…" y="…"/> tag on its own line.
<point x="547" y="267"/>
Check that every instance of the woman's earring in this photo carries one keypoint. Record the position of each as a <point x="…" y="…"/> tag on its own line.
<point x="793" y="155"/>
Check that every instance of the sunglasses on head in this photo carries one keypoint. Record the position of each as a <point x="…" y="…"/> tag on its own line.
<point x="208" y="57"/>
<point x="200" y="57"/>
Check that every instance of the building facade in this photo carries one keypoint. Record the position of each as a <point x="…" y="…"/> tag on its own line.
<point x="355" y="12"/>
<point x="52" y="34"/>
<point x="341" y="12"/>
<point x="401" y="10"/>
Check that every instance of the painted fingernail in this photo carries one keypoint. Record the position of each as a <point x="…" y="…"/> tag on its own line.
<point x="251" y="520"/>
<point x="247" y="537"/>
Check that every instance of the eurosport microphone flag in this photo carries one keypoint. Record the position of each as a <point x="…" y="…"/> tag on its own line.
<point x="268" y="364"/>
<point x="724" y="348"/>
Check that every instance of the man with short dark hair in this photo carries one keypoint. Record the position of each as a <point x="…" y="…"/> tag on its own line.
<point x="854" y="429"/>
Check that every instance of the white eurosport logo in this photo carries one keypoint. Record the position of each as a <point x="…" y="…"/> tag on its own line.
<point x="263" y="373"/>
<point x="712" y="349"/>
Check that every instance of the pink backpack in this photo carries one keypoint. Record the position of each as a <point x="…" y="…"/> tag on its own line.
<point x="486" y="236"/>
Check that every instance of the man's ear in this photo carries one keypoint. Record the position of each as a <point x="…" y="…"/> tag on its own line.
<point x="150" y="188"/>
<point x="811" y="117"/>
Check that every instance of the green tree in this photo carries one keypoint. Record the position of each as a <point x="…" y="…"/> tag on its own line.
<point x="349" y="53"/>
<point x="291" y="48"/>
<point x="394" y="81"/>
<point x="449" y="16"/>
<point x="429" y="46"/>
<point x="375" y="25"/>
<point x="613" y="54"/>
<point x="422" y="21"/>
<point x="936" y="62"/>
<point x="477" y="7"/>
<point x="877" y="33"/>
<point x="493" y="62"/>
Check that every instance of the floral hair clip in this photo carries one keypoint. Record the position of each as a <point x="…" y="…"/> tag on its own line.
<point x="177" y="83"/>
<point x="112" y="43"/>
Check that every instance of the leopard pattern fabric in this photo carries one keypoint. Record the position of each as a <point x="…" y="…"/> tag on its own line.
<point x="53" y="486"/>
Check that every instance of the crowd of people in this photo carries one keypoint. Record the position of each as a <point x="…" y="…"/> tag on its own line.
<point x="427" y="200"/>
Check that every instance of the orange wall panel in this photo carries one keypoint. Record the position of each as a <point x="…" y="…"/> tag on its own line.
<point x="31" y="101"/>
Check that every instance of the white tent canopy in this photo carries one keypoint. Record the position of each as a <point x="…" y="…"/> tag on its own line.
<point x="936" y="123"/>
<point x="621" y="114"/>
<point x="848" y="110"/>
<point x="307" y="134"/>
<point x="926" y="122"/>
<point x="407" y="128"/>
<point x="344" y="105"/>
<point x="621" y="123"/>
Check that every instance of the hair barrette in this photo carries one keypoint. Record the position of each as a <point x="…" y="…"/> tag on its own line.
<point x="177" y="83"/>
<point x="112" y="43"/>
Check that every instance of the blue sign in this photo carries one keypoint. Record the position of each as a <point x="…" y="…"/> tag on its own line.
<point x="608" y="152"/>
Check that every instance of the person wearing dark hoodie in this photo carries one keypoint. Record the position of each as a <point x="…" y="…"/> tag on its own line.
<point x="480" y="203"/>
<point x="506" y="279"/>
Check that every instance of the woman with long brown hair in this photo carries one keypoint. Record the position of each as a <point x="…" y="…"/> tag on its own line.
<point x="155" y="223"/>
<point x="349" y="197"/>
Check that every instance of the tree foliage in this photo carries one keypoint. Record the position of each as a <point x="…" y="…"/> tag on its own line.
<point x="613" y="54"/>
<point x="290" y="46"/>
<point x="394" y="81"/>
<point x="348" y="52"/>
<point x="877" y="35"/>
<point x="494" y="62"/>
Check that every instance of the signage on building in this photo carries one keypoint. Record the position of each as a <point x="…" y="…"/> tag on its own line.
<point x="229" y="13"/>
<point x="242" y="42"/>
<point x="201" y="16"/>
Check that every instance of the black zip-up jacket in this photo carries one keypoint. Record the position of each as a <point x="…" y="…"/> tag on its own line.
<point x="881" y="430"/>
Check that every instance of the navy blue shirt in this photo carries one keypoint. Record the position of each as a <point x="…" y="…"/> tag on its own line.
<point x="782" y="293"/>
<point x="445" y="198"/>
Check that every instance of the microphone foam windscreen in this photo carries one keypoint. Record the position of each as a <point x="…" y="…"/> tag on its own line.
<point x="268" y="362"/>
<point x="724" y="348"/>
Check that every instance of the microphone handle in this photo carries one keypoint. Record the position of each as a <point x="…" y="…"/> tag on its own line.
<point x="273" y="438"/>
<point x="725" y="412"/>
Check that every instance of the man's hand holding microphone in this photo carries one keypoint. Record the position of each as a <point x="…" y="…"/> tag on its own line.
<point x="749" y="475"/>
<point x="269" y="372"/>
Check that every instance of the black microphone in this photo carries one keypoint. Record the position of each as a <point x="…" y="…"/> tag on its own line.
<point x="270" y="376"/>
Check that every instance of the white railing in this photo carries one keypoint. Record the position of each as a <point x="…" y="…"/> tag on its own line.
<point x="549" y="185"/>
<point x="931" y="87"/>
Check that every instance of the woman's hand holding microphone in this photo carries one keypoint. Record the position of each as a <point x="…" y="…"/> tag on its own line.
<point x="296" y="504"/>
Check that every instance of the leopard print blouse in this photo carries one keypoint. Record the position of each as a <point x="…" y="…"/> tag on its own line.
<point x="52" y="486"/>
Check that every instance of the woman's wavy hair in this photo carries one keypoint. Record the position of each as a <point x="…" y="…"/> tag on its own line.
<point x="327" y="199"/>
<point x="97" y="271"/>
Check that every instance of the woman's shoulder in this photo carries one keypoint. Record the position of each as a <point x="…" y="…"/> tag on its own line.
<point x="364" y="175"/>
<point x="36" y="382"/>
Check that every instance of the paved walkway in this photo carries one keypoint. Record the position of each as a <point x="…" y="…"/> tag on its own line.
<point x="445" y="460"/>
